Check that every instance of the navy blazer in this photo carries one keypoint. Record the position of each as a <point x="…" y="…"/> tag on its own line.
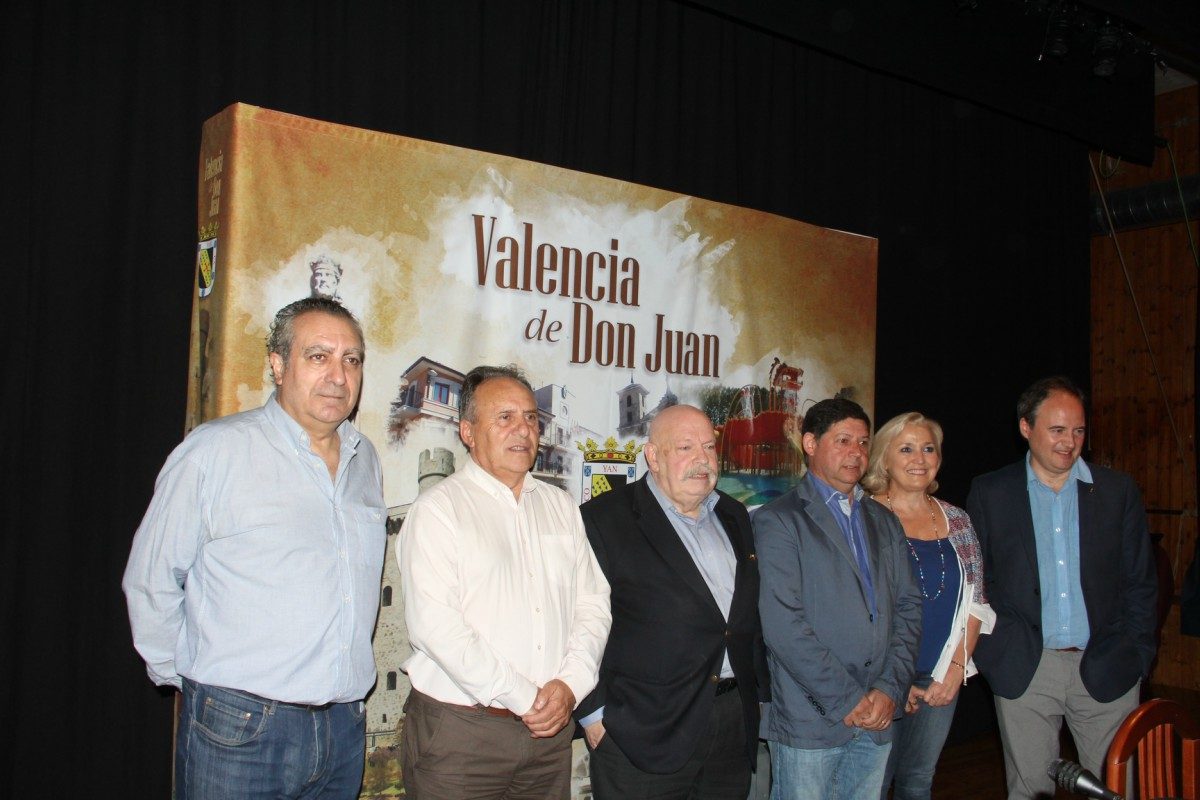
<point x="668" y="636"/>
<point x="825" y="649"/>
<point x="1116" y="568"/>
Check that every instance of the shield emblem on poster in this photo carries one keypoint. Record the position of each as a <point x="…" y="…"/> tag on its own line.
<point x="605" y="468"/>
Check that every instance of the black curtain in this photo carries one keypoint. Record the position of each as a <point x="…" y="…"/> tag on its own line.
<point x="982" y="223"/>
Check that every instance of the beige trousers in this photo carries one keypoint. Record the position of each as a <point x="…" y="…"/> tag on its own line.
<point x="1030" y="724"/>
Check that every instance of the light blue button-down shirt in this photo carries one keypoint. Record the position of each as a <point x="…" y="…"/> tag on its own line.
<point x="253" y="570"/>
<point x="708" y="544"/>
<point x="849" y="519"/>
<point x="1056" y="531"/>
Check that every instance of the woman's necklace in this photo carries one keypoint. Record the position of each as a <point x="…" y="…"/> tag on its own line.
<point x="917" y="558"/>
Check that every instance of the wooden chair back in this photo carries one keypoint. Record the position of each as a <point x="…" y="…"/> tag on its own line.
<point x="1166" y="741"/>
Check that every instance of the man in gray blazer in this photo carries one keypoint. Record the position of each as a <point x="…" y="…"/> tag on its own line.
<point x="841" y="616"/>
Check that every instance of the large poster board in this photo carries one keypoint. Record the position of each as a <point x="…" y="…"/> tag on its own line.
<point x="616" y="299"/>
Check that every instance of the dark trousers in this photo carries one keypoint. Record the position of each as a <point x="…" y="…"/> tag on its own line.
<point x="718" y="769"/>
<point x="450" y="752"/>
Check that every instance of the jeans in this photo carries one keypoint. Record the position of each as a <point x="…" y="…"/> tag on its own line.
<point x="917" y="741"/>
<point x="234" y="745"/>
<point x="850" y="771"/>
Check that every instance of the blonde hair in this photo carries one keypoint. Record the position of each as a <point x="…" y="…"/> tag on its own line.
<point x="875" y="480"/>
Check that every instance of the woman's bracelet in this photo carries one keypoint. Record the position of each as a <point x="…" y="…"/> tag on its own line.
<point x="963" y="668"/>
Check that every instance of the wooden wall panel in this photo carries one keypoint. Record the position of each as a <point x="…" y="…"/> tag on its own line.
<point x="1130" y="428"/>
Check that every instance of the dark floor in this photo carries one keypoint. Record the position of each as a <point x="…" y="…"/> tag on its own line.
<point x="972" y="766"/>
<point x="975" y="769"/>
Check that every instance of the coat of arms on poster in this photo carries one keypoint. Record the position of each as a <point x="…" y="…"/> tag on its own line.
<point x="605" y="468"/>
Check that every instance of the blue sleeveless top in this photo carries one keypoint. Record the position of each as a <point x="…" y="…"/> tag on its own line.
<point x="937" y="610"/>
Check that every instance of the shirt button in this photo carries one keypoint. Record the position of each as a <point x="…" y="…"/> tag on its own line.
<point x="1064" y="594"/>
<point x="1058" y="530"/>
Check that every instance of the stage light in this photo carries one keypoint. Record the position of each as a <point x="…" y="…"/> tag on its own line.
<point x="1106" y="48"/>
<point x="1059" y="30"/>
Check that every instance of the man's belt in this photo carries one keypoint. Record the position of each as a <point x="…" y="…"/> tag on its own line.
<point x="475" y="709"/>
<point x="304" y="706"/>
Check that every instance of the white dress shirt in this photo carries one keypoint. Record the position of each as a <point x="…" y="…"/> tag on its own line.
<point x="501" y="594"/>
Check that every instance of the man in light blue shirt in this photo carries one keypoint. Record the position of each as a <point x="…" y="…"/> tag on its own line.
<point x="253" y="581"/>
<point x="1072" y="581"/>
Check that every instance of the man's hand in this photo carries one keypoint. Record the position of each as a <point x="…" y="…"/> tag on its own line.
<point x="857" y="714"/>
<point x="551" y="710"/>
<point x="594" y="733"/>
<point x="882" y="709"/>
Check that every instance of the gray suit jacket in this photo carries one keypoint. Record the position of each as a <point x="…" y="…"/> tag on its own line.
<point x="825" y="650"/>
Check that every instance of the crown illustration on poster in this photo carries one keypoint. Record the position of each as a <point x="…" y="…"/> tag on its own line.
<point x="611" y="452"/>
<point x="209" y="231"/>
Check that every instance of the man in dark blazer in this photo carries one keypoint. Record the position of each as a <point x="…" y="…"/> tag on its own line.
<point x="676" y="710"/>
<point x="841" y="616"/>
<point x="1071" y="578"/>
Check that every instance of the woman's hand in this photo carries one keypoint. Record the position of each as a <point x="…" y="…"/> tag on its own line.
<point x="942" y="694"/>
<point x="915" y="695"/>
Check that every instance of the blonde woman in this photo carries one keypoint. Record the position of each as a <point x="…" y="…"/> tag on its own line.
<point x="945" y="558"/>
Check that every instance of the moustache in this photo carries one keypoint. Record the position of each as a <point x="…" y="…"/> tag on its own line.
<point x="698" y="471"/>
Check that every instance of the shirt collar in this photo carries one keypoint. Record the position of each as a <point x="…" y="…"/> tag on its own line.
<point x="706" y="505"/>
<point x="493" y="484"/>
<point x="348" y="437"/>
<point x="828" y="493"/>
<point x="1079" y="471"/>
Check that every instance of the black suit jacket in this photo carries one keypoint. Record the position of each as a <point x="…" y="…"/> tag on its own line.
<point x="668" y="636"/>
<point x="1116" y="571"/>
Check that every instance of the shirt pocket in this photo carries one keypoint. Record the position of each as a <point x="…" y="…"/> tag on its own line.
<point x="557" y="551"/>
<point x="366" y="528"/>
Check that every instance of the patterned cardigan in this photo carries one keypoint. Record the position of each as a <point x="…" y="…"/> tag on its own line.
<point x="966" y="545"/>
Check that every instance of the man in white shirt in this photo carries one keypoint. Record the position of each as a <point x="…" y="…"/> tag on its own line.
<point x="507" y="612"/>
